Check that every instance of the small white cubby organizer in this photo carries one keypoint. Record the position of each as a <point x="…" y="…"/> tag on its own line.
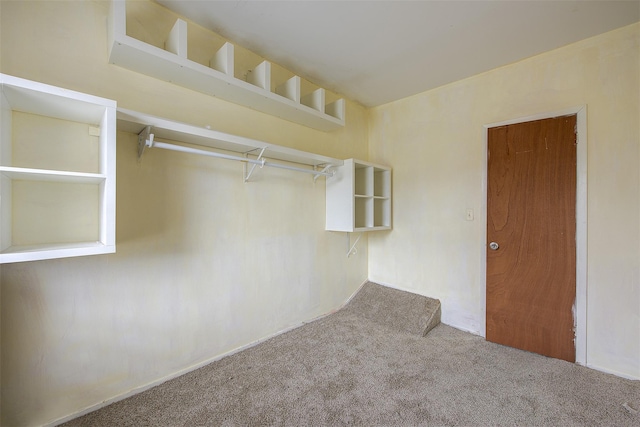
<point x="172" y="64"/>
<point x="359" y="197"/>
<point x="57" y="172"/>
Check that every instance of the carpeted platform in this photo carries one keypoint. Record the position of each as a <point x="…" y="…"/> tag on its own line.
<point x="369" y="365"/>
<point x="395" y="309"/>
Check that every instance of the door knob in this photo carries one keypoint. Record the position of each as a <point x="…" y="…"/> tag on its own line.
<point x="494" y="246"/>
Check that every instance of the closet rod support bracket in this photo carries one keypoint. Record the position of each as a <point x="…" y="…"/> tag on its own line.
<point x="325" y="171"/>
<point x="352" y="250"/>
<point x="145" y="139"/>
<point x="260" y="159"/>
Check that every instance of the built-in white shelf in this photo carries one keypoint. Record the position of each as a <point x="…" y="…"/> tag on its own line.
<point x="359" y="197"/>
<point x="57" y="172"/>
<point x="27" y="174"/>
<point x="173" y="65"/>
<point x="221" y="144"/>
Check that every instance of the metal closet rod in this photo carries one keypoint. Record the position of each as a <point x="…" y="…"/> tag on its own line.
<point x="260" y="162"/>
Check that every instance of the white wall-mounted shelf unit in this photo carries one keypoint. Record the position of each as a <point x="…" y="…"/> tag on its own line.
<point x="152" y="130"/>
<point x="172" y="64"/>
<point x="359" y="197"/>
<point x="57" y="172"/>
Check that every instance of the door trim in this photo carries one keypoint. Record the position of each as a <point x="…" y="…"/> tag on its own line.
<point x="580" y="306"/>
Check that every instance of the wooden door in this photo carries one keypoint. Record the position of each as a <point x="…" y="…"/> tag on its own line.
<point x="531" y="215"/>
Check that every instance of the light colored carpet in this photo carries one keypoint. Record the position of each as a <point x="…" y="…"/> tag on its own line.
<point x="351" y="368"/>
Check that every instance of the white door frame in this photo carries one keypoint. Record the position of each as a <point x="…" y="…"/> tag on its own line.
<point x="580" y="305"/>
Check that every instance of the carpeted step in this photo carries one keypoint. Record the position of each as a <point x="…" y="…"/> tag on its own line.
<point x="401" y="310"/>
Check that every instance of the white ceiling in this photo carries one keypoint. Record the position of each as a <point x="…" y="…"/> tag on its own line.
<point x="375" y="52"/>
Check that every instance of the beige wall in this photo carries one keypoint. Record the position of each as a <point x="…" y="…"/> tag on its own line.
<point x="205" y="263"/>
<point x="435" y="143"/>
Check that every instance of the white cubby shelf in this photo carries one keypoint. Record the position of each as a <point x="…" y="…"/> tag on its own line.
<point x="359" y="197"/>
<point x="57" y="172"/>
<point x="218" y="79"/>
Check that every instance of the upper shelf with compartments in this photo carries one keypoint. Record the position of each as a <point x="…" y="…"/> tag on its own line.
<point x="258" y="88"/>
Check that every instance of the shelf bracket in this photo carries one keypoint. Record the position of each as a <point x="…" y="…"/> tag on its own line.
<point x="324" y="171"/>
<point x="352" y="248"/>
<point x="260" y="159"/>
<point x="145" y="139"/>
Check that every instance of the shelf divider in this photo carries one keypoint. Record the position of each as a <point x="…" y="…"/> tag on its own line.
<point x="177" y="40"/>
<point x="315" y="100"/>
<point x="290" y="89"/>
<point x="261" y="76"/>
<point x="223" y="60"/>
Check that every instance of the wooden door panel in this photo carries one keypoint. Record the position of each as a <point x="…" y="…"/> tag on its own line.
<point x="531" y="215"/>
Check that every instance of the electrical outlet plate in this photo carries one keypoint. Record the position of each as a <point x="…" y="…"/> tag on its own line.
<point x="469" y="214"/>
